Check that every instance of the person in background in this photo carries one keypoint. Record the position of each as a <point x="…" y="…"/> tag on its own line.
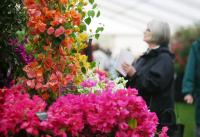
<point x="191" y="82"/>
<point x="152" y="74"/>
<point x="100" y="56"/>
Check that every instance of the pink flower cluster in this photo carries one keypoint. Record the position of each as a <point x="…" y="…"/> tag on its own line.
<point x="88" y="83"/>
<point x="18" y="112"/>
<point x="121" y="114"/>
<point x="164" y="132"/>
<point x="98" y="82"/>
<point x="101" y="114"/>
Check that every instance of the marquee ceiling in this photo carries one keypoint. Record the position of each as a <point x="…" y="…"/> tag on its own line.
<point x="131" y="16"/>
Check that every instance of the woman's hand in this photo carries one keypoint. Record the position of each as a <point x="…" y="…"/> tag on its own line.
<point x="129" y="69"/>
<point x="188" y="98"/>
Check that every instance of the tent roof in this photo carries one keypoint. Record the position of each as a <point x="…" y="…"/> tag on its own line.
<point x="131" y="16"/>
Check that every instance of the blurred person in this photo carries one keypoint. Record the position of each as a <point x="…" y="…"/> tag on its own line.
<point x="152" y="74"/>
<point x="191" y="82"/>
<point x="100" y="56"/>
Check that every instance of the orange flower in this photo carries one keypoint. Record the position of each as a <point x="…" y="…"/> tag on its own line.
<point x="31" y="23"/>
<point x="50" y="13"/>
<point x="41" y="26"/>
<point x="63" y="1"/>
<point x="45" y="96"/>
<point x="67" y="42"/>
<point x="40" y="56"/>
<point x="39" y="72"/>
<point x="76" y="17"/>
<point x="54" y="23"/>
<point x="29" y="2"/>
<point x="33" y="64"/>
<point x="48" y="63"/>
<point x="68" y="31"/>
<point x="67" y="14"/>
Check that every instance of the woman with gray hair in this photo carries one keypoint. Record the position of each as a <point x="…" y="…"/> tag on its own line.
<point x="152" y="74"/>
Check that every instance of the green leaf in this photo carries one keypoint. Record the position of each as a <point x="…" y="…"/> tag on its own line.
<point x="94" y="6"/>
<point x="37" y="1"/>
<point x="98" y="13"/>
<point x="83" y="27"/>
<point x="28" y="48"/>
<point x="93" y="64"/>
<point x="57" y="41"/>
<point x="99" y="29"/>
<point x="91" y="13"/>
<point x="83" y="69"/>
<point x="73" y="35"/>
<point x="88" y="20"/>
<point x="20" y="35"/>
<point x="132" y="123"/>
<point x="73" y="51"/>
<point x="67" y="25"/>
<point x="97" y="36"/>
<point x="91" y="1"/>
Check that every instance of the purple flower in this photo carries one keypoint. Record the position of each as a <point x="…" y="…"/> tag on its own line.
<point x="20" y="50"/>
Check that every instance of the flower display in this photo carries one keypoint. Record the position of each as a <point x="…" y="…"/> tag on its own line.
<point x="119" y="113"/>
<point x="56" y="37"/>
<point x="18" y="111"/>
<point x="62" y="94"/>
<point x="98" y="81"/>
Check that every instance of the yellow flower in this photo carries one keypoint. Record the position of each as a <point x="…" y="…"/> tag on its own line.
<point x="83" y="36"/>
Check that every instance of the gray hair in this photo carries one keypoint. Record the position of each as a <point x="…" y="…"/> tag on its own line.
<point x="160" y="32"/>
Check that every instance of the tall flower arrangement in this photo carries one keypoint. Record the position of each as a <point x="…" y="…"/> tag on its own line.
<point x="57" y="35"/>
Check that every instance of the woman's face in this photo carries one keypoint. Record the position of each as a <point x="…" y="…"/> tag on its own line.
<point x="147" y="35"/>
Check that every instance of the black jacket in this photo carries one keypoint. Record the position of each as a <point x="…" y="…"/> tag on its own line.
<point x="154" y="79"/>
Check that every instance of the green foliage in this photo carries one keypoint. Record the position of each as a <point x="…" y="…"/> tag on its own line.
<point x="98" y="13"/>
<point x="91" y="13"/>
<point x="97" y="36"/>
<point x="88" y="21"/>
<point x="184" y="37"/>
<point x="99" y="29"/>
<point x="186" y="115"/>
<point x="93" y="64"/>
<point x="12" y="17"/>
<point x="91" y="1"/>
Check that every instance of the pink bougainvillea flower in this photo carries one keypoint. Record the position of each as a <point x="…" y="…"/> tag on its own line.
<point x="50" y="30"/>
<point x="164" y="132"/>
<point x="59" y="31"/>
<point x="30" y="83"/>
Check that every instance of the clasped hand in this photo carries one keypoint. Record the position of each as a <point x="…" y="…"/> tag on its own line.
<point x="129" y="69"/>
